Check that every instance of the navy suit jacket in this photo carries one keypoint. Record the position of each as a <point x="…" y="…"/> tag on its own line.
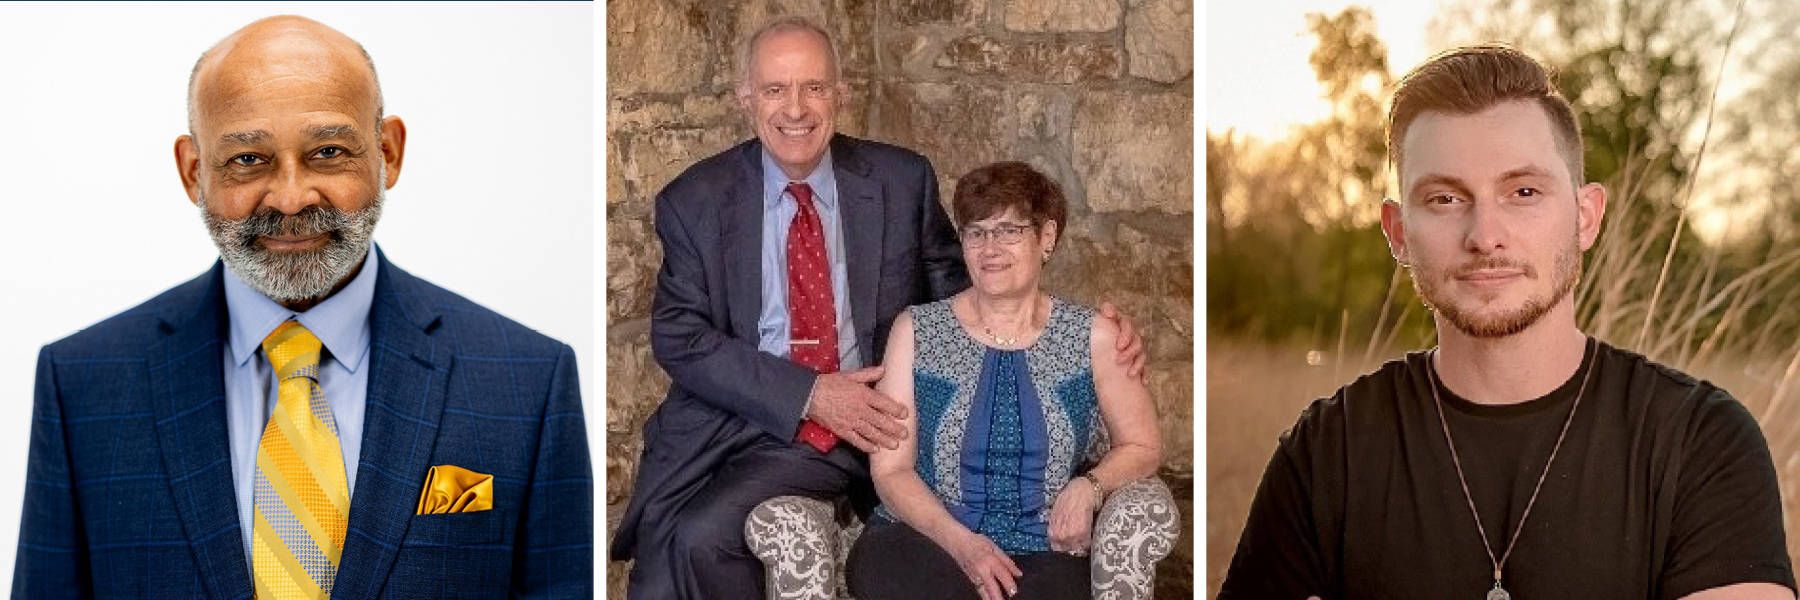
<point x="901" y="251"/>
<point x="129" y="491"/>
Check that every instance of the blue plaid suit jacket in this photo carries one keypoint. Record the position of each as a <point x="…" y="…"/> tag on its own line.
<point x="129" y="491"/>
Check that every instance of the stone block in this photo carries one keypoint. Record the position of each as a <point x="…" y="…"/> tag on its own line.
<point x="1172" y="388"/>
<point x="957" y="126"/>
<point x="1063" y="15"/>
<point x="655" y="46"/>
<point x="635" y="386"/>
<point x="616" y="189"/>
<point x="635" y="113"/>
<point x="1032" y="60"/>
<point x="1159" y="36"/>
<point x="1044" y="116"/>
<point x="653" y="158"/>
<point x="854" y="29"/>
<point x="1135" y="150"/>
<point x="633" y="254"/>
<point x="939" y="12"/>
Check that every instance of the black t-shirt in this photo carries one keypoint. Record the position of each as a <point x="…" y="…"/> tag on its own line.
<point x="1663" y="488"/>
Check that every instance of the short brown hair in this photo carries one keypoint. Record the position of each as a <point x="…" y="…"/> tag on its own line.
<point x="1472" y="79"/>
<point x="989" y="190"/>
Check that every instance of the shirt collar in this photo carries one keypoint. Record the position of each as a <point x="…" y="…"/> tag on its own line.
<point x="341" y="322"/>
<point x="775" y="182"/>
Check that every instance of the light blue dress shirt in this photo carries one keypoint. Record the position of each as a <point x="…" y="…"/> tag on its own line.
<point x="779" y="208"/>
<point x="341" y="323"/>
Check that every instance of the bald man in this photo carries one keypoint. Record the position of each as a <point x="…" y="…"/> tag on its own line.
<point x="305" y="419"/>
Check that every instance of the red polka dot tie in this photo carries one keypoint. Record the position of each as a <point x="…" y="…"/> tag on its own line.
<point x="812" y="318"/>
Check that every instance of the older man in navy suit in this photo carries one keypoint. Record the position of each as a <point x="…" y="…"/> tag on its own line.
<point x="304" y="420"/>
<point x="786" y="259"/>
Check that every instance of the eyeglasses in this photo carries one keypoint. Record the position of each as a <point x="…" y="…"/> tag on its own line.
<point x="1007" y="234"/>
<point x="812" y="90"/>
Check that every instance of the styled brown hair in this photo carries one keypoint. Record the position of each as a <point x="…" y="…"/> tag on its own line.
<point x="1472" y="79"/>
<point x="989" y="190"/>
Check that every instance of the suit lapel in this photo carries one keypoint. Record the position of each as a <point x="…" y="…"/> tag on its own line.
<point x="741" y="231"/>
<point x="407" y="379"/>
<point x="864" y="227"/>
<point x="187" y="394"/>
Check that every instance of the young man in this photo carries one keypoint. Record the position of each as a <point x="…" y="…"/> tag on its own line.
<point x="1520" y="456"/>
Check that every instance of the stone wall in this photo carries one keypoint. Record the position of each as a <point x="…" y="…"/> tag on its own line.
<point x="1097" y="93"/>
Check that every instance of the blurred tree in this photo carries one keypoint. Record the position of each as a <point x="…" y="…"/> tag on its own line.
<point x="1295" y="251"/>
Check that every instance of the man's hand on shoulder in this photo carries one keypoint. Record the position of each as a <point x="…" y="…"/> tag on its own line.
<point x="844" y="404"/>
<point x="1130" y="344"/>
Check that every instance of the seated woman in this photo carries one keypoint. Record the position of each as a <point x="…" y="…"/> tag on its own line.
<point x="1007" y="387"/>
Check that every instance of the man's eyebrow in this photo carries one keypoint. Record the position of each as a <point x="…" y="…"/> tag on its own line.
<point x="1525" y="171"/>
<point x="1436" y="179"/>
<point x="246" y="138"/>
<point x="322" y="132"/>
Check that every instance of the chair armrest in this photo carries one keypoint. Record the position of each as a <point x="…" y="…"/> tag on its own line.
<point x="1135" y="528"/>
<point x="797" y="539"/>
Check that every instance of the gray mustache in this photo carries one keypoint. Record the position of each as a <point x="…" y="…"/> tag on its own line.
<point x="312" y="220"/>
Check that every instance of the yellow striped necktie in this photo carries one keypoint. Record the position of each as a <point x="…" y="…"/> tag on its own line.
<point x="302" y="502"/>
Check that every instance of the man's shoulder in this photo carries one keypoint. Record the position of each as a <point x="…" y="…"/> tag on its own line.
<point x="719" y="169"/>
<point x="127" y="334"/>
<point x="462" y="323"/>
<point x="1664" y="393"/>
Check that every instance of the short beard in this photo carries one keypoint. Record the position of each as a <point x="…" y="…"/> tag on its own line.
<point x="1568" y="271"/>
<point x="293" y="276"/>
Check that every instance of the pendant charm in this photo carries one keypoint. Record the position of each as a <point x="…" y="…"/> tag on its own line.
<point x="1498" y="593"/>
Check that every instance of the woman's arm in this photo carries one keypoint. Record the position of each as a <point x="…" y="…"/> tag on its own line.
<point x="1130" y="420"/>
<point x="1128" y="413"/>
<point x="905" y="494"/>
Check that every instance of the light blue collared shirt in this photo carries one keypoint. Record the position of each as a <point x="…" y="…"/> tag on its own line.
<point x="779" y="208"/>
<point x="341" y="323"/>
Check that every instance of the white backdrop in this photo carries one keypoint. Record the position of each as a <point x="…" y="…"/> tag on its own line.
<point x="496" y="201"/>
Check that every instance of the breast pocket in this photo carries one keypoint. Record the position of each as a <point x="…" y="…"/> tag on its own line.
<point x="454" y="555"/>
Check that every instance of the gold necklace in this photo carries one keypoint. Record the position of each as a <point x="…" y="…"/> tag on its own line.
<point x="1499" y="593"/>
<point x="1026" y="328"/>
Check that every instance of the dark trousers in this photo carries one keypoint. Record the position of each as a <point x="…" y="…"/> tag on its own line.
<point x="698" y="551"/>
<point x="892" y="560"/>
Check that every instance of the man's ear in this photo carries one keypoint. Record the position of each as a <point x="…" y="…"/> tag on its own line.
<point x="1590" y="211"/>
<point x="187" y="165"/>
<point x="393" y="147"/>
<point x="1393" y="225"/>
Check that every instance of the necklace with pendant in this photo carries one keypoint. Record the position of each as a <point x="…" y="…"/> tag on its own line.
<point x="1025" y="329"/>
<point x="1499" y="593"/>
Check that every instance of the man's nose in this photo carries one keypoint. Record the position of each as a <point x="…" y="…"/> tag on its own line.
<point x="793" y="103"/>
<point x="291" y="190"/>
<point x="1487" y="227"/>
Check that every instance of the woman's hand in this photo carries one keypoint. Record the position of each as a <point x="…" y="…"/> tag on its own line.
<point x="1072" y="517"/>
<point x="991" y="570"/>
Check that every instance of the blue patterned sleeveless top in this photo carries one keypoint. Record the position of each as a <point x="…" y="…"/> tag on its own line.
<point x="1002" y="431"/>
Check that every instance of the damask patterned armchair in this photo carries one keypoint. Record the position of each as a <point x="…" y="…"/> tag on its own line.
<point x="803" y="548"/>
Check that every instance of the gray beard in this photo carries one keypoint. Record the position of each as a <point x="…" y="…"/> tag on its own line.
<point x="291" y="276"/>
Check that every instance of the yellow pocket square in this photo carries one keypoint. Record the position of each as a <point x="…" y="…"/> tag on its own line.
<point x="453" y="489"/>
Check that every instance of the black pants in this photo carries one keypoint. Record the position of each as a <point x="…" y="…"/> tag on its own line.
<point x="893" y="560"/>
<point x="698" y="552"/>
